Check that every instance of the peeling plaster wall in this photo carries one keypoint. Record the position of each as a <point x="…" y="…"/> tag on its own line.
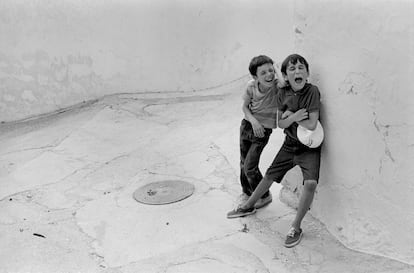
<point x="54" y="54"/>
<point x="361" y="55"/>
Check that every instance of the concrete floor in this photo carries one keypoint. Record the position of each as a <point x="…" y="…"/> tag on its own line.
<point x="67" y="182"/>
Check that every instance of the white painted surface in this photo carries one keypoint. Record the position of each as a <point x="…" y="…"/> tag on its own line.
<point x="60" y="53"/>
<point x="91" y="223"/>
<point x="361" y="55"/>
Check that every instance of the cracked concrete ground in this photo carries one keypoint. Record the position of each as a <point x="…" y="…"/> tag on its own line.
<point x="67" y="182"/>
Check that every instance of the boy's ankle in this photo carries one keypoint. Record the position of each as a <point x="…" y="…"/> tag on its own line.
<point x="244" y="206"/>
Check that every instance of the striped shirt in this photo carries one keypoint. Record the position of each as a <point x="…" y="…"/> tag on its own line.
<point x="262" y="105"/>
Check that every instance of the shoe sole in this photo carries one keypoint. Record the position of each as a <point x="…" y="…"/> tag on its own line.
<point x="294" y="243"/>
<point x="241" y="215"/>
<point x="263" y="205"/>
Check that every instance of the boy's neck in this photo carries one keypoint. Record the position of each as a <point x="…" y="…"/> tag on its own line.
<point x="262" y="88"/>
<point x="300" y="90"/>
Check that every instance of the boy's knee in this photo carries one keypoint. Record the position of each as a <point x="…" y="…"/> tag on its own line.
<point x="310" y="185"/>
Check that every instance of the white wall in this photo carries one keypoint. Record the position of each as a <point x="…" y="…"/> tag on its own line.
<point x="54" y="54"/>
<point x="361" y="55"/>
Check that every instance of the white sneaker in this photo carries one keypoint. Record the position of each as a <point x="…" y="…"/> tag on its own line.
<point x="263" y="201"/>
<point x="242" y="198"/>
<point x="293" y="237"/>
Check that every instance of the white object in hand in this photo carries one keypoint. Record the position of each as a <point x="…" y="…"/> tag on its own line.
<point x="311" y="138"/>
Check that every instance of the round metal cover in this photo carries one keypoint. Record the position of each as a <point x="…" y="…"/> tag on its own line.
<point x="163" y="192"/>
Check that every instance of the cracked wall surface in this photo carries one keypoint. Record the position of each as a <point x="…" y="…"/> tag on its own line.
<point x="61" y="53"/>
<point x="361" y="55"/>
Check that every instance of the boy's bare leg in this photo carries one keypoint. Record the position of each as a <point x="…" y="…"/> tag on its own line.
<point x="263" y="187"/>
<point x="305" y="201"/>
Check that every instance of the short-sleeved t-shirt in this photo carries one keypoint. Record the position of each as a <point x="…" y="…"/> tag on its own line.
<point x="262" y="105"/>
<point x="308" y="98"/>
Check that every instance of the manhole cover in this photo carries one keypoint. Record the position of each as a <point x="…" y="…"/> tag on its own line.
<point x="163" y="192"/>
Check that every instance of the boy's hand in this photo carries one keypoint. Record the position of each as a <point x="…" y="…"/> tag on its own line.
<point x="281" y="83"/>
<point x="258" y="129"/>
<point x="286" y="114"/>
<point x="301" y="114"/>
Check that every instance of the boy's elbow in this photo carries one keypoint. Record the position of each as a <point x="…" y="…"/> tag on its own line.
<point x="313" y="125"/>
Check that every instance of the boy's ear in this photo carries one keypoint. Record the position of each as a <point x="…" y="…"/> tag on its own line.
<point x="254" y="77"/>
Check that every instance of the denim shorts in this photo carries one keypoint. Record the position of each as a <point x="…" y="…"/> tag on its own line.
<point x="294" y="153"/>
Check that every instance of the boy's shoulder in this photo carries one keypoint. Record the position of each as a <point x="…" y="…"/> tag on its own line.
<point x="251" y="83"/>
<point x="282" y="91"/>
<point x="249" y="90"/>
<point x="312" y="90"/>
<point x="312" y="86"/>
<point x="251" y="86"/>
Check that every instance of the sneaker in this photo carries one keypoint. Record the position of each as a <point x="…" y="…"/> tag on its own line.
<point x="239" y="212"/>
<point x="293" y="237"/>
<point x="243" y="198"/>
<point x="263" y="201"/>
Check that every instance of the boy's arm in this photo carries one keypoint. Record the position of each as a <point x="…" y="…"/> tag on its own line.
<point x="258" y="129"/>
<point x="311" y="122"/>
<point x="314" y="106"/>
<point x="285" y="120"/>
<point x="286" y="114"/>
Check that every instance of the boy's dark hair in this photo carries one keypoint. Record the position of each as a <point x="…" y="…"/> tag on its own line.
<point x="293" y="59"/>
<point x="258" y="61"/>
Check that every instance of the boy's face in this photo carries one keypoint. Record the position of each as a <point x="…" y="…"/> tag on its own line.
<point x="296" y="75"/>
<point x="265" y="75"/>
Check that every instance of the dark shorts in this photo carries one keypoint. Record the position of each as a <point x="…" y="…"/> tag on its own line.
<point x="294" y="153"/>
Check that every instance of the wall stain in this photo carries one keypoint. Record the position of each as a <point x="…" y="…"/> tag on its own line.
<point x="36" y="82"/>
<point x="355" y="83"/>
<point x="384" y="131"/>
<point x="298" y="31"/>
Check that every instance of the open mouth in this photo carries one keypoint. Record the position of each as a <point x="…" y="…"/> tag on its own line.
<point x="298" y="80"/>
<point x="270" y="79"/>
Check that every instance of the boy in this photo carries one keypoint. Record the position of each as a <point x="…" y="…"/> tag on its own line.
<point x="259" y="108"/>
<point x="298" y="104"/>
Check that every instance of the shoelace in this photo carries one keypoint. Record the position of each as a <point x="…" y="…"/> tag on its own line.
<point x="239" y="208"/>
<point x="291" y="232"/>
